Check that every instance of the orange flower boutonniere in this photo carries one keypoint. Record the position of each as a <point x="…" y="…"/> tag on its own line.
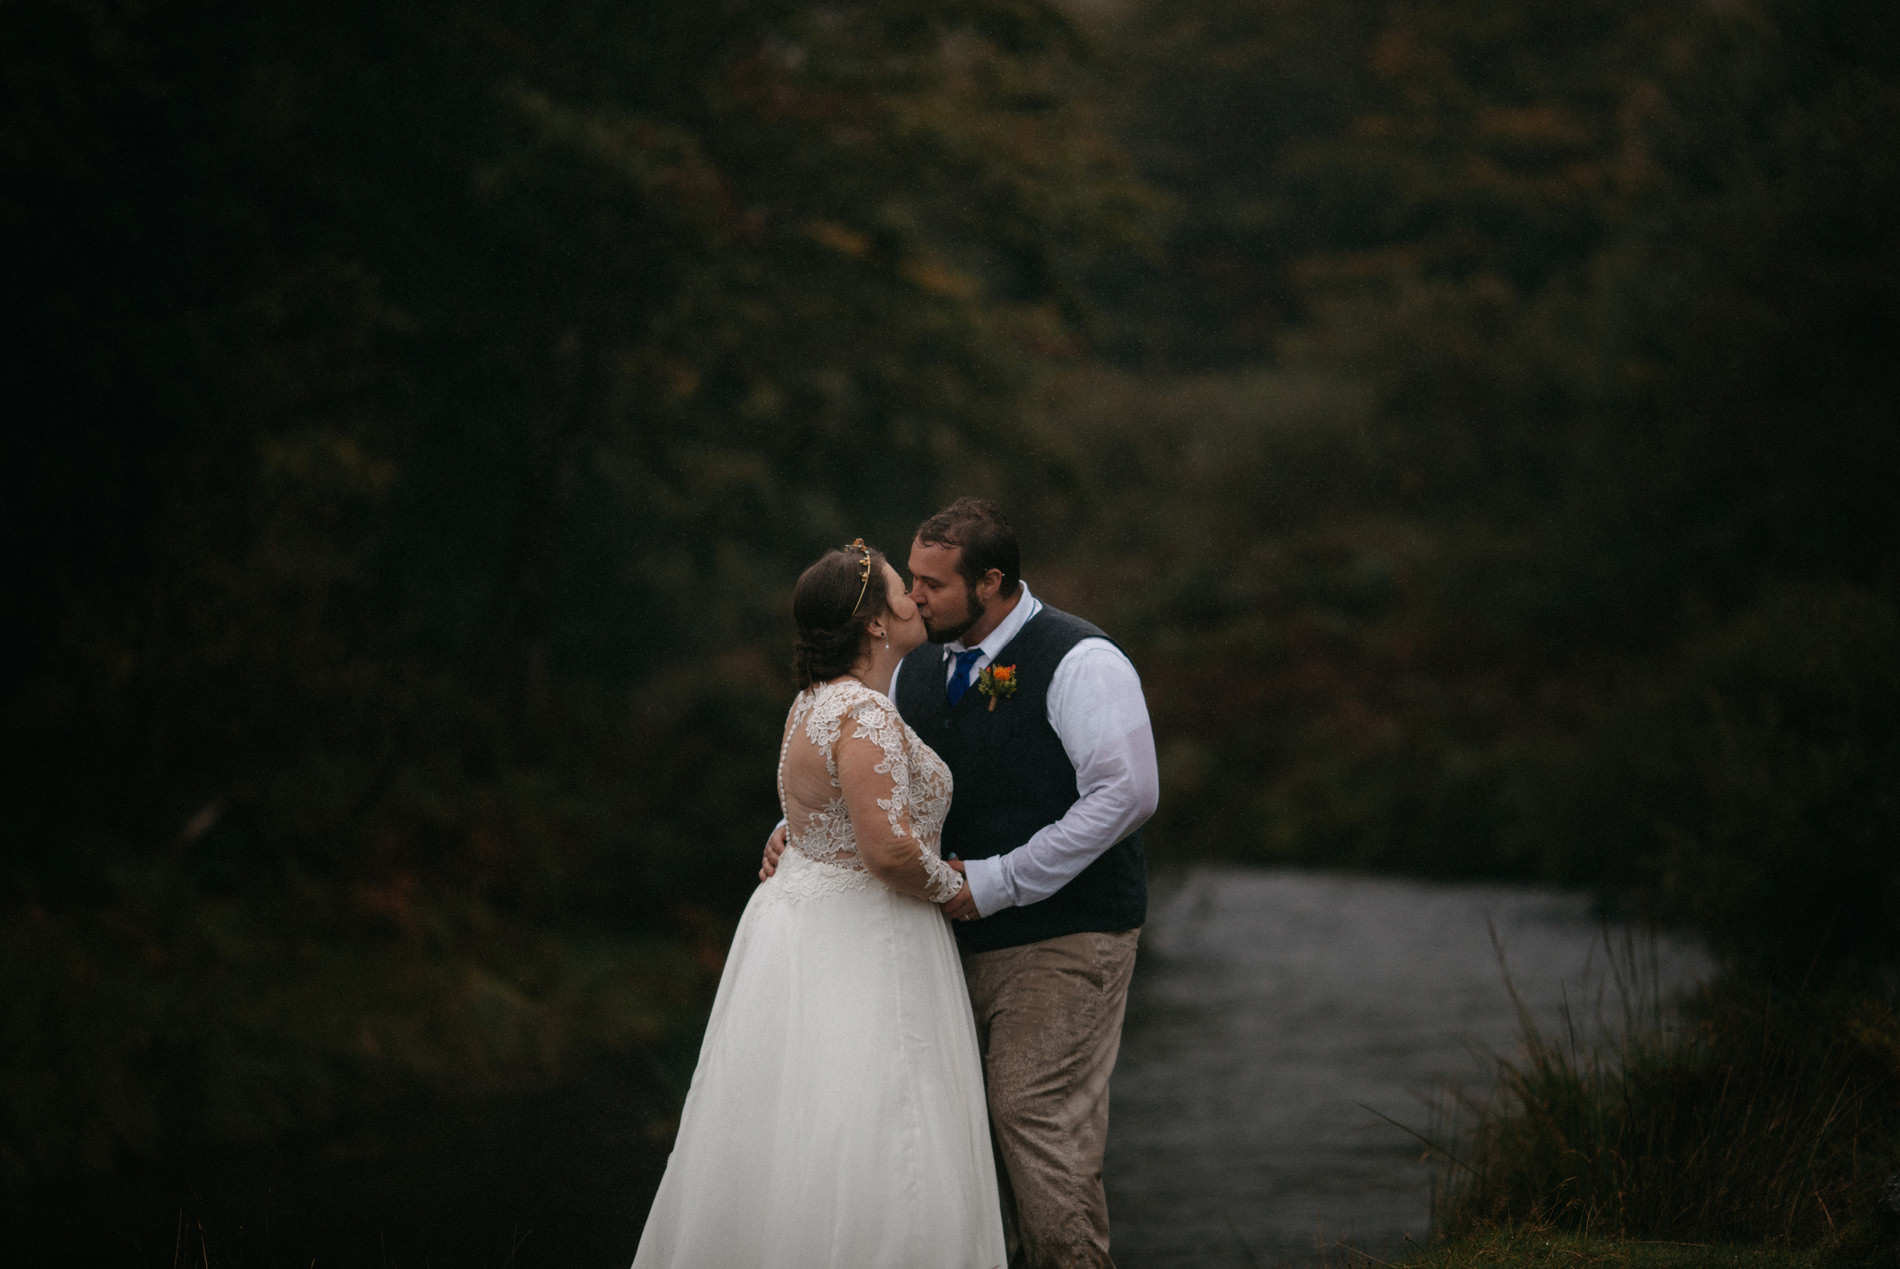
<point x="998" y="682"/>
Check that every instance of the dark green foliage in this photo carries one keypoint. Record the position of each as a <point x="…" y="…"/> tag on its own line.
<point x="171" y="1024"/>
<point x="416" y="415"/>
<point x="1323" y="150"/>
<point x="1788" y="851"/>
<point x="1747" y="786"/>
<point x="1583" y="571"/>
<point x="398" y="381"/>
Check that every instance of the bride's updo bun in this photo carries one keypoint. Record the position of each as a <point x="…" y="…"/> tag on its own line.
<point x="831" y="605"/>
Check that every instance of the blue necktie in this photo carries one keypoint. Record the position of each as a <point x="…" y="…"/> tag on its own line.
<point x="960" y="679"/>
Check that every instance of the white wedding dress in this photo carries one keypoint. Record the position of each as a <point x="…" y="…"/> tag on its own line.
<point x="836" y="1117"/>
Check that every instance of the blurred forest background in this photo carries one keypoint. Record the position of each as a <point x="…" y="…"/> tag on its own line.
<point x="1481" y="422"/>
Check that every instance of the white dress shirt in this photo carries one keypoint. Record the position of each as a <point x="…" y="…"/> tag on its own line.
<point x="1098" y="712"/>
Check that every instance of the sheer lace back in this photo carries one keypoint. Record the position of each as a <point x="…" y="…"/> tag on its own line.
<point x="912" y="788"/>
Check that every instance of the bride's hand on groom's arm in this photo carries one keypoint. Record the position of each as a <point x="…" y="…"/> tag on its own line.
<point x="960" y="906"/>
<point x="774" y="847"/>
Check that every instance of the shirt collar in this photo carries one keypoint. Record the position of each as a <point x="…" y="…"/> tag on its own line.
<point x="1026" y="607"/>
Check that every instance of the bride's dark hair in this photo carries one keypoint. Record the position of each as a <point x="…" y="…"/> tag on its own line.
<point x="831" y="604"/>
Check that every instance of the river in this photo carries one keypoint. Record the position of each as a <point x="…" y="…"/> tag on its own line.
<point x="1279" y="1020"/>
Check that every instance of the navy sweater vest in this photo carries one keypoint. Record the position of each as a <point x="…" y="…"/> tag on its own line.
<point x="1013" y="778"/>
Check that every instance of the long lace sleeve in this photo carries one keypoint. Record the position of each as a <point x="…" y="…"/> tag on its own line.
<point x="874" y="776"/>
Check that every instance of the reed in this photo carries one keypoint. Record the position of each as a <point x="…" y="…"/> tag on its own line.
<point x="1540" y="1247"/>
<point x="1744" y="1116"/>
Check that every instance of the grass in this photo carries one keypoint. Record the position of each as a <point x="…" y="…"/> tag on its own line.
<point x="1540" y="1247"/>
<point x="1758" y="1119"/>
<point x="1747" y="1125"/>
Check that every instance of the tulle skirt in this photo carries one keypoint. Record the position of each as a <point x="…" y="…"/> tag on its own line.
<point x="836" y="1117"/>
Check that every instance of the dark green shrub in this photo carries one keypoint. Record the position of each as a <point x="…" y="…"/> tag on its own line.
<point x="1749" y="787"/>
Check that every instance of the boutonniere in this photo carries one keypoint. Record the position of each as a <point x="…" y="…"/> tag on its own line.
<point x="998" y="682"/>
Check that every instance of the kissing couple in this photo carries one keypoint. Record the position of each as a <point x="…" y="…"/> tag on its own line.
<point x="874" y="1089"/>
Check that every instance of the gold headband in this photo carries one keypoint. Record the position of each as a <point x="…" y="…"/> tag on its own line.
<point x="864" y="573"/>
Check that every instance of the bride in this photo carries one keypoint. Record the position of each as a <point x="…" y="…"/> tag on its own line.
<point x="836" y="1117"/>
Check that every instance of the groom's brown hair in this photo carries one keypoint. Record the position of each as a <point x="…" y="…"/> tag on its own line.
<point x="977" y="525"/>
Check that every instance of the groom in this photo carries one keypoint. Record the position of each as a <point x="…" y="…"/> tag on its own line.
<point x="1043" y="724"/>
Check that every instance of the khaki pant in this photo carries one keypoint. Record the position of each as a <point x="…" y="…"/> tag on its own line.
<point x="1049" y="1021"/>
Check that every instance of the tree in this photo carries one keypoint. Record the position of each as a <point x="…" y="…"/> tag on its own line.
<point x="420" y="411"/>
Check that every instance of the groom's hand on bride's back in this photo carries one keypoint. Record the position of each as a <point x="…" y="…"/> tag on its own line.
<point x="774" y="847"/>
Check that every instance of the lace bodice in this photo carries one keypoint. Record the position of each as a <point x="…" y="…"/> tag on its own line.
<point x="910" y="786"/>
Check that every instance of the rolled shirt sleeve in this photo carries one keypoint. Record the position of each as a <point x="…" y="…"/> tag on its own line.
<point x="1098" y="712"/>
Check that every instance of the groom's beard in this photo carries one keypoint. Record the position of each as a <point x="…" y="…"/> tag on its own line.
<point x="973" y="611"/>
